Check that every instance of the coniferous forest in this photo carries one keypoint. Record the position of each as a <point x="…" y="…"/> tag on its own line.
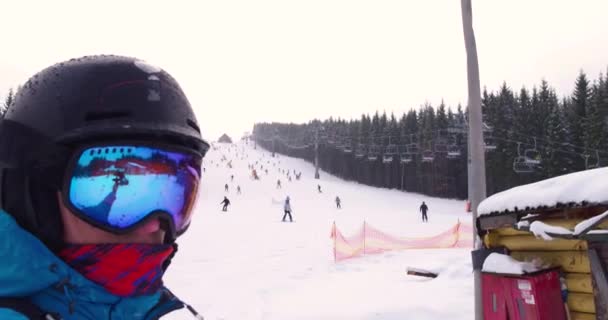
<point x="529" y="135"/>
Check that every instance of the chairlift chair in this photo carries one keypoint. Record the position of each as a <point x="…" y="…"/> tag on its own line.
<point x="347" y="148"/>
<point x="405" y="158"/>
<point x="453" y="152"/>
<point x="533" y="156"/>
<point x="592" y="164"/>
<point x="521" y="165"/>
<point x="413" y="148"/>
<point x="360" y="153"/>
<point x="390" y="151"/>
<point x="372" y="155"/>
<point x="489" y="144"/>
<point x="428" y="155"/>
<point x="404" y="155"/>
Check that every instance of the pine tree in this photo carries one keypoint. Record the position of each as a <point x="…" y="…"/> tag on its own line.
<point x="8" y="101"/>
<point x="557" y="159"/>
<point x="577" y="114"/>
<point x="595" y="128"/>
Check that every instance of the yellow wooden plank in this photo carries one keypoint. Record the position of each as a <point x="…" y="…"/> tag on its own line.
<point x="581" y="302"/>
<point x="579" y="282"/>
<point x="510" y="232"/>
<point x="570" y="261"/>
<point x="531" y="243"/>
<point x="490" y="239"/>
<point x="582" y="316"/>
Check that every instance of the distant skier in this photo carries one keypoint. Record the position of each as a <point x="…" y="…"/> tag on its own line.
<point x="231" y="177"/>
<point x="226" y="187"/>
<point x="226" y="203"/>
<point x="319" y="188"/>
<point x="279" y="184"/>
<point x="238" y="189"/>
<point x="424" y="209"/>
<point x="338" y="203"/>
<point x="287" y="210"/>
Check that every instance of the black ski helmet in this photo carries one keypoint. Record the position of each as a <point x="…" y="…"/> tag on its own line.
<point x="80" y="101"/>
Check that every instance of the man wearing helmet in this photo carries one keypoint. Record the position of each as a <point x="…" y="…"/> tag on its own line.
<point x="100" y="161"/>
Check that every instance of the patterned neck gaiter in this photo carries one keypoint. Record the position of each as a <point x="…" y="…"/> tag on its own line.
<point x="125" y="270"/>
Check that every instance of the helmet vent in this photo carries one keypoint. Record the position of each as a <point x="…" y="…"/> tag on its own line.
<point x="96" y="116"/>
<point x="193" y="125"/>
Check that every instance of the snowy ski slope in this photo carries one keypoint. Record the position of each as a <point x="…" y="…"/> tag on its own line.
<point x="247" y="264"/>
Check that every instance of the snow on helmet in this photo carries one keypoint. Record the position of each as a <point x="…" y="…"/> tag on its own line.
<point x="80" y="101"/>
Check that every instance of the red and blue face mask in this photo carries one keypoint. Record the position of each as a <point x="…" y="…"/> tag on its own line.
<point x="118" y="187"/>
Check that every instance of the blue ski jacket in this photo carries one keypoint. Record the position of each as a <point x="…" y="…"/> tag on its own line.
<point x="30" y="271"/>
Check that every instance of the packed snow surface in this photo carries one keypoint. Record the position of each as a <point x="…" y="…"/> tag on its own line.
<point x="588" y="185"/>
<point x="247" y="264"/>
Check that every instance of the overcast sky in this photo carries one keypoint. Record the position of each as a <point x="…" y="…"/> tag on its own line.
<point x="247" y="61"/>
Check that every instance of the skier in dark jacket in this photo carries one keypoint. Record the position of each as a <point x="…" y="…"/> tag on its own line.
<point x="424" y="209"/>
<point x="66" y="252"/>
<point x="226" y="203"/>
<point x="338" y="203"/>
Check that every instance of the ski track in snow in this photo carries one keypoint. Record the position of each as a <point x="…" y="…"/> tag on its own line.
<point x="247" y="264"/>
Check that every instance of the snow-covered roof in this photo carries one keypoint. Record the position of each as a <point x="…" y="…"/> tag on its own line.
<point x="584" y="188"/>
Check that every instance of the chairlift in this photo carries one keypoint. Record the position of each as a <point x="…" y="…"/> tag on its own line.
<point x="390" y="151"/>
<point x="405" y="156"/>
<point x="453" y="151"/>
<point x="489" y="144"/>
<point x="457" y="129"/>
<point x="360" y="153"/>
<point x="347" y="148"/>
<point x="594" y="164"/>
<point x="533" y="156"/>
<point x="413" y="148"/>
<point x="372" y="155"/>
<point x="521" y="165"/>
<point x="428" y="156"/>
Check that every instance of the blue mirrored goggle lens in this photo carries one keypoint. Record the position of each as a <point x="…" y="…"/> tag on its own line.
<point x="119" y="186"/>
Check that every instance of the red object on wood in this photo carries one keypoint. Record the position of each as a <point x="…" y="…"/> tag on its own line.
<point x="535" y="296"/>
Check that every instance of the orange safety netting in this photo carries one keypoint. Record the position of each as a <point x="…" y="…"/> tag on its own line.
<point x="369" y="240"/>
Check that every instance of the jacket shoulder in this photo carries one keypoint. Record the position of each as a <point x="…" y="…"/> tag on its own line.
<point x="10" y="314"/>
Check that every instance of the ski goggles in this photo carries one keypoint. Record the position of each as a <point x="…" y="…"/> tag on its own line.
<point x="116" y="187"/>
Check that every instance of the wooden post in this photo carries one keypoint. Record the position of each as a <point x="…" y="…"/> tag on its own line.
<point x="364" y="237"/>
<point x="335" y="234"/>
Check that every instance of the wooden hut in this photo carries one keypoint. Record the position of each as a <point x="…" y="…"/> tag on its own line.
<point x="562" y="221"/>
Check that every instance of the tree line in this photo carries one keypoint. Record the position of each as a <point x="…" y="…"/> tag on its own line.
<point x="529" y="135"/>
